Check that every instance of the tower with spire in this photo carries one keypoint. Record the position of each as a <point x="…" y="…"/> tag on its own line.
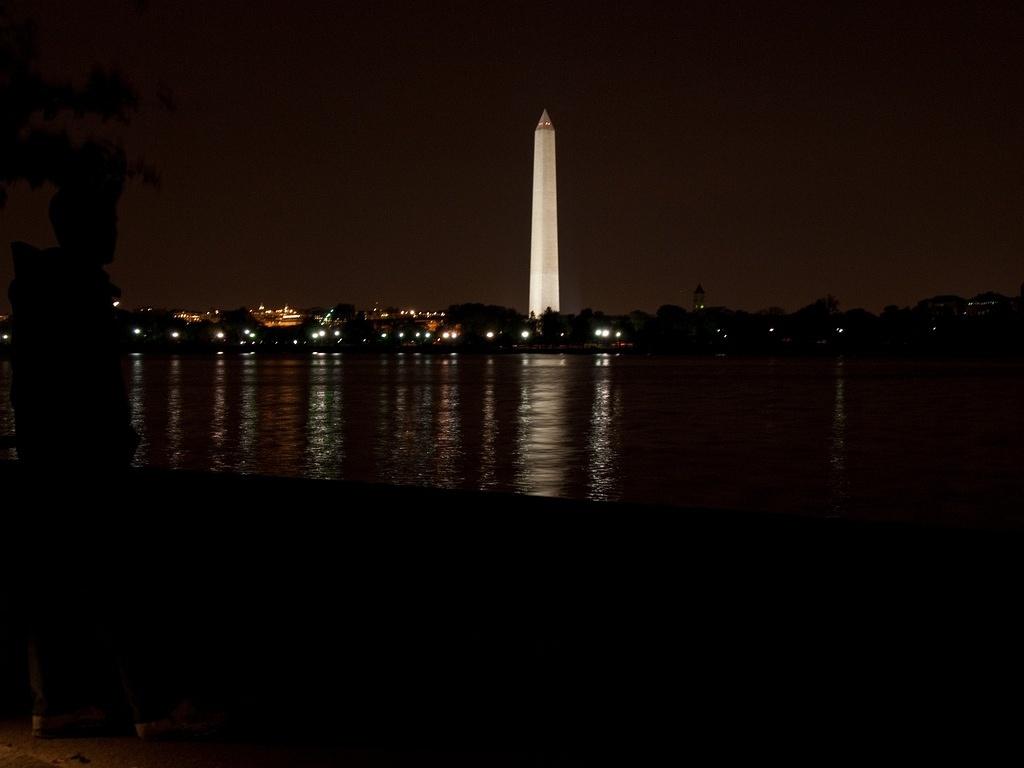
<point x="544" y="232"/>
<point x="698" y="298"/>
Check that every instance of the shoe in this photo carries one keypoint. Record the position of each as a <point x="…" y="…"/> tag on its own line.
<point x="185" y="722"/>
<point x="87" y="721"/>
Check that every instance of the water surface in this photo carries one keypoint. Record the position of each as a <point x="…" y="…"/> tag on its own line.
<point x="926" y="439"/>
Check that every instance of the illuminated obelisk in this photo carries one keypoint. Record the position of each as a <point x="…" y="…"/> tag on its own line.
<point x="544" y="238"/>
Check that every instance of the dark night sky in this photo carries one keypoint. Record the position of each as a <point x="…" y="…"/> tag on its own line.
<point x="336" y="151"/>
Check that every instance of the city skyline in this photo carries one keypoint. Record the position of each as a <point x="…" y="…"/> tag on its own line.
<point x="772" y="156"/>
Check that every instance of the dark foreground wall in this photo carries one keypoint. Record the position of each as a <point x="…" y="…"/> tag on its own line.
<point x="394" y="615"/>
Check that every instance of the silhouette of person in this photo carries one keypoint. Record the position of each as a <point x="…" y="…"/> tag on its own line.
<point x="70" y="406"/>
<point x="89" y="619"/>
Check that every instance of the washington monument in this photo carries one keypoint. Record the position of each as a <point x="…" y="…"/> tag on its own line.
<point x="544" y="237"/>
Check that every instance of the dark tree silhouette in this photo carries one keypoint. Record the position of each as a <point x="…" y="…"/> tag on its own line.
<point x="35" y="146"/>
<point x="552" y="326"/>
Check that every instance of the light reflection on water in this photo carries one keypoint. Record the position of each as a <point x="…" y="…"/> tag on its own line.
<point x="218" y="417"/>
<point x="489" y="435"/>
<point x="837" y="456"/>
<point x="136" y="394"/>
<point x="448" y="435"/>
<point x="602" y="446"/>
<point x="937" y="439"/>
<point x="248" y="415"/>
<point x="6" y="414"/>
<point x="325" y="446"/>
<point x="541" y="437"/>
<point x="174" y="414"/>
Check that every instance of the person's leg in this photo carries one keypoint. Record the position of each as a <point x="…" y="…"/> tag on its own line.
<point x="146" y="667"/>
<point x="69" y="674"/>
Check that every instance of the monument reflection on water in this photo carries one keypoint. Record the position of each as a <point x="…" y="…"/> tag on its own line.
<point x="525" y="424"/>
<point x="926" y="439"/>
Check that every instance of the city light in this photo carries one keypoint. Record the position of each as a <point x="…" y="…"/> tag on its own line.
<point x="337" y="334"/>
<point x="490" y="334"/>
<point x="525" y="334"/>
<point x="295" y="341"/>
<point x="426" y="335"/>
<point x="618" y="334"/>
<point x="117" y="303"/>
<point x="383" y="335"/>
<point x="401" y="335"/>
<point x="136" y="331"/>
<point x="322" y="334"/>
<point x="219" y="334"/>
<point x="175" y="334"/>
<point x="445" y="335"/>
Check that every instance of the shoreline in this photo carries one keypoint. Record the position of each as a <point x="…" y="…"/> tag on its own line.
<point x="6" y="353"/>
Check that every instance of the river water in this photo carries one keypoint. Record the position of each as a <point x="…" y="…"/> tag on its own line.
<point x="939" y="440"/>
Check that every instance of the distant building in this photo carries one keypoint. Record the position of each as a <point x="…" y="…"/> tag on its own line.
<point x="393" y="319"/>
<point x="195" y="317"/>
<point x="989" y="303"/>
<point x="283" y="317"/>
<point x="698" y="298"/>
<point x="943" y="306"/>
